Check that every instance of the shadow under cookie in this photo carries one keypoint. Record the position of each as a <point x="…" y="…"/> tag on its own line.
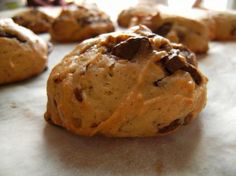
<point x="122" y="156"/>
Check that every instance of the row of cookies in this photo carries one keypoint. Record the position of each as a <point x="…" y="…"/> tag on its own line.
<point x="125" y="84"/>
<point x="191" y="27"/>
<point x="74" y="23"/>
<point x="23" y="54"/>
<point x="122" y="84"/>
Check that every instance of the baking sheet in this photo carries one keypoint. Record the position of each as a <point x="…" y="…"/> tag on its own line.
<point x="29" y="146"/>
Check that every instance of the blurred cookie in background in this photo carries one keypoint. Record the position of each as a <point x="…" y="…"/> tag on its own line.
<point x="34" y="19"/>
<point x="22" y="53"/>
<point x="176" y="28"/>
<point x="79" y="22"/>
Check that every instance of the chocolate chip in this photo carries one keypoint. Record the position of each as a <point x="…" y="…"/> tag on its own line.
<point x="172" y="126"/>
<point x="174" y="62"/>
<point x="194" y="73"/>
<point x="190" y="56"/>
<point x="78" y="94"/>
<point x="12" y="36"/>
<point x="130" y="47"/>
<point x="164" y="29"/>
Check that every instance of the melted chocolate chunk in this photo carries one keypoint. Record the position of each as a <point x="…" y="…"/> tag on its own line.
<point x="174" y="62"/>
<point x="172" y="126"/>
<point x="130" y="47"/>
<point x="190" y="56"/>
<point x="78" y="94"/>
<point x="164" y="29"/>
<point x="12" y="36"/>
<point x="194" y="73"/>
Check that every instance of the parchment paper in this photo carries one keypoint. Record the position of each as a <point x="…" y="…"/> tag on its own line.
<point x="29" y="146"/>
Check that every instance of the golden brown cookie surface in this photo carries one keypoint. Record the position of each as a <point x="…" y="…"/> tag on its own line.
<point x="77" y="23"/>
<point x="126" y="84"/>
<point x="22" y="53"/>
<point x="34" y="19"/>
<point x="176" y="28"/>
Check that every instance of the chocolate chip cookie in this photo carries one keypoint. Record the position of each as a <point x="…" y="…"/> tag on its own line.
<point x="34" y="19"/>
<point x="126" y="84"/>
<point x="22" y="53"/>
<point x="77" y="23"/>
<point x="176" y="28"/>
<point x="221" y="24"/>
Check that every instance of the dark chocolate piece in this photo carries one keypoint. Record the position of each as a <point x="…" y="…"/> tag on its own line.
<point x="12" y="36"/>
<point x="130" y="47"/>
<point x="174" y="62"/>
<point x="172" y="126"/>
<point x="164" y="29"/>
<point x="194" y="73"/>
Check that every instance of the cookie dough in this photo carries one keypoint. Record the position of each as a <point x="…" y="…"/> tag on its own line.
<point x="22" y="53"/>
<point x="34" y="19"/>
<point x="126" y="84"/>
<point x="176" y="28"/>
<point x="77" y="23"/>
